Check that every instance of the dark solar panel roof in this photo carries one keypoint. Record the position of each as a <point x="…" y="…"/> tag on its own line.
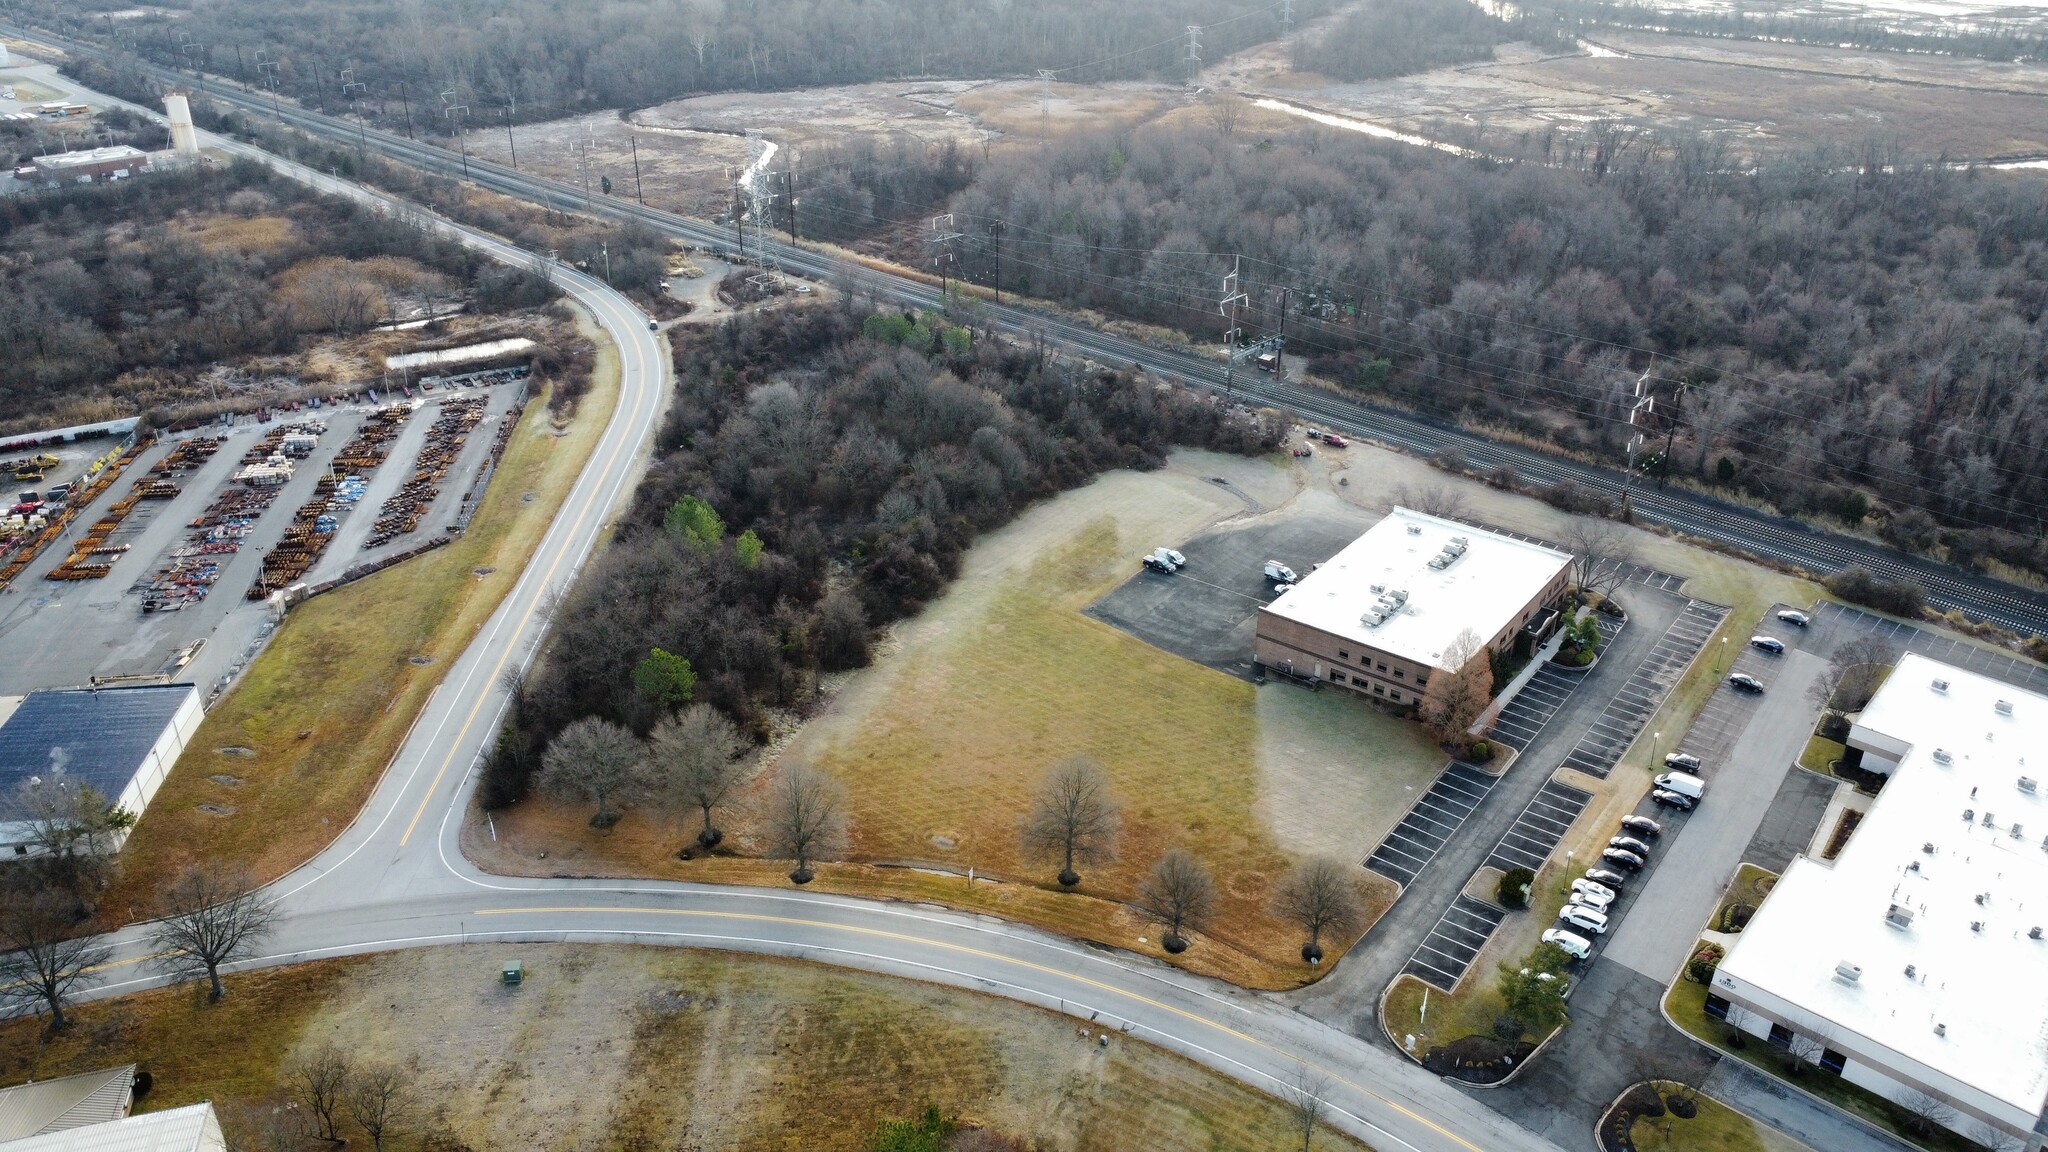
<point x="98" y="737"/>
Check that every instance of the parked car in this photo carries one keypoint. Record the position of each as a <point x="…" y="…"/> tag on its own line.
<point x="652" y="325"/>
<point x="1744" y="682"/>
<point x="1630" y="844"/>
<point x="1642" y="826"/>
<point x="1623" y="858"/>
<point x="1597" y="901"/>
<point x="1684" y="783"/>
<point x="1335" y="441"/>
<point x="1771" y="644"/>
<point x="1593" y="888"/>
<point x="1665" y="797"/>
<point x="1159" y="563"/>
<point x="1685" y="760"/>
<point x="1279" y="573"/>
<point x="1304" y="450"/>
<point x="1606" y="878"/>
<point x="1574" y="945"/>
<point x="1588" y="919"/>
<point x="1795" y="617"/>
<point x="1171" y="556"/>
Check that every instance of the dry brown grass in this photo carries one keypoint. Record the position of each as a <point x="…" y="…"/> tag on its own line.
<point x="328" y="702"/>
<point x="252" y="235"/>
<point x="632" y="1047"/>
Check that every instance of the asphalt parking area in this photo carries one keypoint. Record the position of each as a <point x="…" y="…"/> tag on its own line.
<point x="1431" y="823"/>
<point x="1534" y="834"/>
<point x="1837" y="624"/>
<point x="1449" y="949"/>
<point x="1631" y="707"/>
<point x="1534" y="705"/>
<point x="1207" y="611"/>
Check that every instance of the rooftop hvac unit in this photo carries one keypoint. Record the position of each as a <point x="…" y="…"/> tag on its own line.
<point x="1940" y="1029"/>
<point x="2003" y="707"/>
<point x="1969" y="814"/>
<point x="1848" y="973"/>
<point x="2034" y="933"/>
<point x="1976" y="925"/>
<point x="1439" y="562"/>
<point x="1415" y="529"/>
<point x="2015" y="830"/>
<point x="1944" y="756"/>
<point x="1398" y="595"/>
<point x="1911" y="971"/>
<point x="1981" y="897"/>
<point x="1987" y="817"/>
<point x="1941" y="686"/>
<point x="1899" y="916"/>
<point x="1376" y="589"/>
<point x="2029" y="784"/>
<point x="1372" y="619"/>
<point x="1928" y="847"/>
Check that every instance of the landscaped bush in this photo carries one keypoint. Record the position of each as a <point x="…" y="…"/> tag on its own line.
<point x="1898" y="597"/>
<point x="1700" y="969"/>
<point x="1513" y="889"/>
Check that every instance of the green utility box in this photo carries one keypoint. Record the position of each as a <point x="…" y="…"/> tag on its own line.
<point x="514" y="973"/>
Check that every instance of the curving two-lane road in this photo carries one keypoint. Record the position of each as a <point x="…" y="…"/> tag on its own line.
<point x="397" y="878"/>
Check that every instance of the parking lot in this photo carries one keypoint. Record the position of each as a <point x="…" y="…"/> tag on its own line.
<point x="1430" y="824"/>
<point x="1837" y="624"/>
<point x="1206" y="611"/>
<point x="1459" y="936"/>
<point x="1630" y="708"/>
<point x="1534" y="705"/>
<point x="1535" y="833"/>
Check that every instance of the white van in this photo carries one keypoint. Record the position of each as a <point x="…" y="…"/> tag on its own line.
<point x="1683" y="783"/>
<point x="1575" y="946"/>
<point x="1583" y="918"/>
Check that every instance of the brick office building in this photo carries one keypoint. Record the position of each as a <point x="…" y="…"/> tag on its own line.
<point x="1378" y="616"/>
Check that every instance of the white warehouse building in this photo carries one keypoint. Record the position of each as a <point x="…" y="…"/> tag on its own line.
<point x="120" y="741"/>
<point x="1916" y="964"/>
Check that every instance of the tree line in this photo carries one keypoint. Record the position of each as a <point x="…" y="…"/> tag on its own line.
<point x="1383" y="38"/>
<point x="820" y="473"/>
<point x="1855" y="335"/>
<point x="530" y="59"/>
<point x="1987" y="39"/>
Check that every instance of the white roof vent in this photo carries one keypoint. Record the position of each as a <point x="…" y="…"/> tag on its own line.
<point x="1976" y="925"/>
<point x="2029" y="784"/>
<point x="1899" y="916"/>
<point x="1941" y="686"/>
<point x="1944" y="756"/>
<point x="1928" y="847"/>
<point x="1415" y="529"/>
<point x="1848" y="973"/>
<point x="2003" y="707"/>
<point x="2016" y="830"/>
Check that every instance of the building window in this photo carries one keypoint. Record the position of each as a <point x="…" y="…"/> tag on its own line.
<point x="1781" y="1036"/>
<point x="1396" y="697"/>
<point x="1400" y="675"/>
<point x="1832" y="1060"/>
<point x="1379" y="690"/>
<point x="1717" y="1006"/>
<point x="1383" y="666"/>
<point x="1343" y="655"/>
<point x="1337" y="677"/>
<point x="1421" y="681"/>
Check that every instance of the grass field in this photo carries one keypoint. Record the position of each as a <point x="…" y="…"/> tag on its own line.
<point x="326" y="705"/>
<point x="944" y="742"/>
<point x="627" y="1047"/>
<point x="1820" y="755"/>
<point x="1716" y="1128"/>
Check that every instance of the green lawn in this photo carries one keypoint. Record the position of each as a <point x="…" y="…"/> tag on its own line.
<point x="1750" y="886"/>
<point x="1686" y="1004"/>
<point x="1821" y="754"/>
<point x="1716" y="1128"/>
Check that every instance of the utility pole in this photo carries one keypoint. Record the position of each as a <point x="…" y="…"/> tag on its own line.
<point x="451" y="110"/>
<point x="1678" y="392"/>
<point x="1644" y="406"/>
<point x="634" y="140"/>
<point x="1228" y="307"/>
<point x="241" y="66"/>
<point x="319" y="90"/>
<point x="1194" y="55"/>
<point x="943" y="235"/>
<point x="583" y="162"/>
<point x="739" y="226"/>
<point x="407" y="101"/>
<point x="1045" y="76"/>
<point x="789" y="194"/>
<point x="995" y="233"/>
<point x="511" y="109"/>
<point x="1280" y="347"/>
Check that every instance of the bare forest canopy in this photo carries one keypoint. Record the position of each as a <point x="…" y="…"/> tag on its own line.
<point x="539" y="59"/>
<point x="821" y="472"/>
<point x="1382" y="38"/>
<point x="1853" y="334"/>
<point x="118" y="297"/>
<point x="1884" y="30"/>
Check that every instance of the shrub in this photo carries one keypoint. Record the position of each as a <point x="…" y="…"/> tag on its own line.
<point x="1480" y="752"/>
<point x="1898" y="597"/>
<point x="1513" y="889"/>
<point x="927" y="1133"/>
<point x="1700" y="969"/>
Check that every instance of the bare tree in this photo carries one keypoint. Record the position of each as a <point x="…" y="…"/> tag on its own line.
<point x="806" y="818"/>
<point x="267" y="1126"/>
<point x="319" y="1081"/>
<point x="1225" y="110"/>
<point x="693" y="763"/>
<point x="592" y="759"/>
<point x="1994" y="1138"/>
<point x="1179" y="894"/>
<point x="71" y="828"/>
<point x="1855" y="672"/>
<point x="1925" y="1113"/>
<point x="1803" y="1053"/>
<point x="1074" y="817"/>
<point x="1434" y="499"/>
<point x="46" y="956"/>
<point x="379" y="1100"/>
<point x="211" y="915"/>
<point x="1453" y="699"/>
<point x="1602" y="551"/>
<point x="1304" y="1097"/>
<point x="1320" y="896"/>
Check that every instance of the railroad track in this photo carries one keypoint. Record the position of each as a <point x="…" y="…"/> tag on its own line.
<point x="1774" y="538"/>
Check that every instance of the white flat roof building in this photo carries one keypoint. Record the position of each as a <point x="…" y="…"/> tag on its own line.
<point x="1919" y="958"/>
<point x="1446" y="576"/>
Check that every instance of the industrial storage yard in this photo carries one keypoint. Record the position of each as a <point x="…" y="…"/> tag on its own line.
<point x="168" y="568"/>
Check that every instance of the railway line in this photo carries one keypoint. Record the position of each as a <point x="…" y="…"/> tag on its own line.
<point x="1773" y="538"/>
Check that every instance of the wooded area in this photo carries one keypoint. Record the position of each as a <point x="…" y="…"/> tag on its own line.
<point x="1844" y="335"/>
<point x="1385" y="38"/>
<point x="820" y="473"/>
<point x="536" y="60"/>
